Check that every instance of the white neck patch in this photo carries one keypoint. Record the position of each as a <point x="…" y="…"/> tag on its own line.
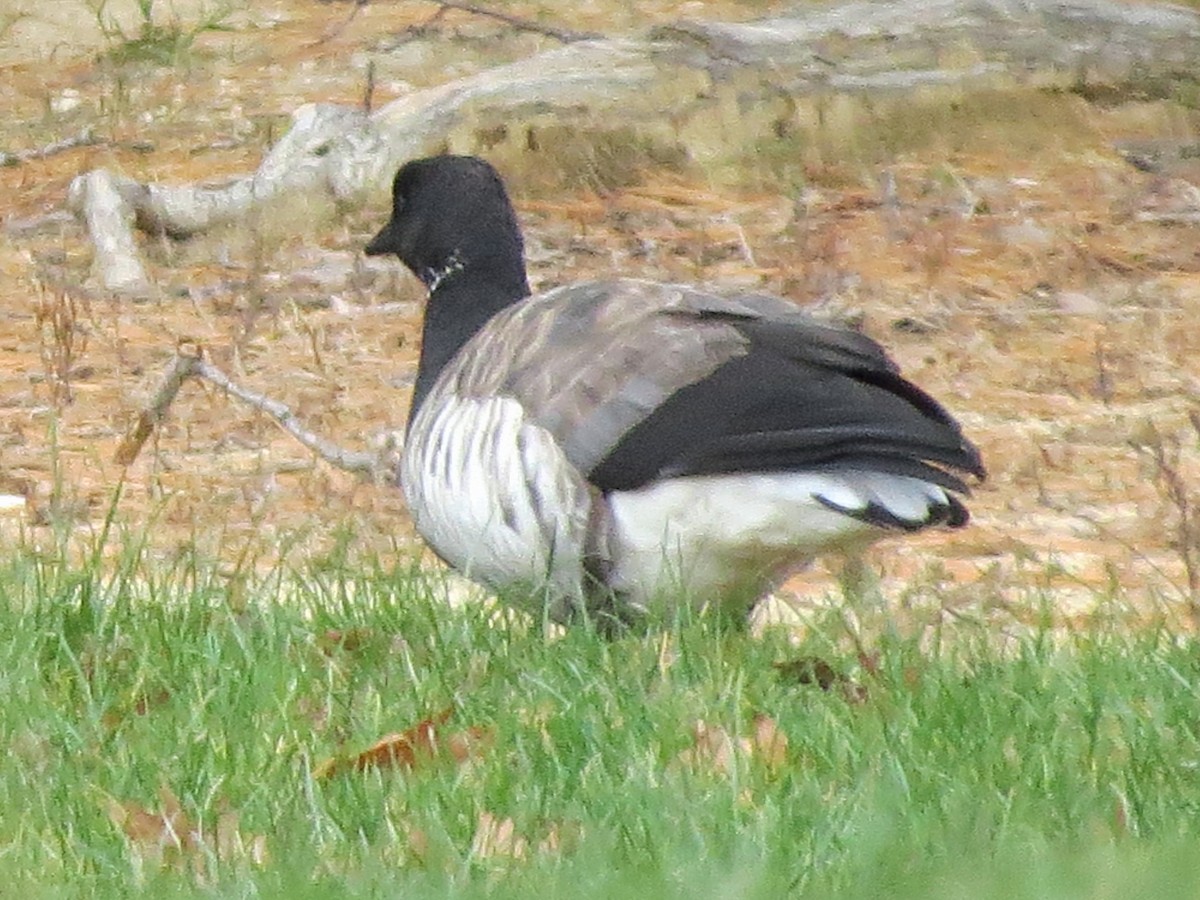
<point x="434" y="277"/>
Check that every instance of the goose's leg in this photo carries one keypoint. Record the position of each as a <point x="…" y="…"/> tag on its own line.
<point x="864" y="609"/>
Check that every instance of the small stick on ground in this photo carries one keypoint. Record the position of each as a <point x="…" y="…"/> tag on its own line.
<point x="566" y="35"/>
<point x="182" y="365"/>
<point x="85" y="138"/>
<point x="189" y="362"/>
<point x="347" y="460"/>
<point x="369" y="88"/>
<point x="340" y="27"/>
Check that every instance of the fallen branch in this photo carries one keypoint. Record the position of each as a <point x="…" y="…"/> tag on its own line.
<point x="341" y="26"/>
<point x="344" y="153"/>
<point x="85" y="138"/>
<point x="566" y="35"/>
<point x="109" y="216"/>
<point x="189" y="362"/>
<point x="182" y="366"/>
<point x="347" y="460"/>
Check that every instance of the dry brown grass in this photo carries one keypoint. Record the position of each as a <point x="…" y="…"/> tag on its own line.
<point x="1011" y="277"/>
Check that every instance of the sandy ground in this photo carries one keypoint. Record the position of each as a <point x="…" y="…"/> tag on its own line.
<point x="1022" y="278"/>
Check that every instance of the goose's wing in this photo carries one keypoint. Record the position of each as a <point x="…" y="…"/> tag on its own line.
<point x="639" y="381"/>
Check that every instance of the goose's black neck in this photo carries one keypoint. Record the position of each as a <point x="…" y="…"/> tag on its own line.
<point x="463" y="297"/>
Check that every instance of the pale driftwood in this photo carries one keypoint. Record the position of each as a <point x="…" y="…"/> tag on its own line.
<point x="97" y="199"/>
<point x="343" y="152"/>
<point x="301" y="160"/>
<point x="889" y="44"/>
<point x="722" y="84"/>
<point x="189" y="362"/>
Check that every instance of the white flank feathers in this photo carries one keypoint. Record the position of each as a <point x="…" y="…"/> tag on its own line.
<point x="496" y="497"/>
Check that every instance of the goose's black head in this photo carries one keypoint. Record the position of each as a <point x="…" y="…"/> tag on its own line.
<point x="453" y="225"/>
<point x="451" y="222"/>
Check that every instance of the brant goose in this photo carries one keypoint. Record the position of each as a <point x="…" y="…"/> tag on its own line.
<point x="612" y="448"/>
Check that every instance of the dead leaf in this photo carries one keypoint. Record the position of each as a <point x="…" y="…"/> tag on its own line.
<point x="1121" y="816"/>
<point x="496" y="837"/>
<point x="770" y="744"/>
<point x="173" y="816"/>
<point x="351" y="640"/>
<point x="152" y="834"/>
<point x="715" y="750"/>
<point x="400" y="749"/>
<point x="870" y="662"/>
<point x="141" y="705"/>
<point x="418" y="746"/>
<point x="560" y="838"/>
<point x="815" y="670"/>
<point x="169" y="838"/>
<point x="230" y="843"/>
<point x="465" y="745"/>
<point x="418" y="842"/>
<point x="809" y="670"/>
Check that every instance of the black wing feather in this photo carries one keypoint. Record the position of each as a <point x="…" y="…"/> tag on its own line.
<point x="802" y="396"/>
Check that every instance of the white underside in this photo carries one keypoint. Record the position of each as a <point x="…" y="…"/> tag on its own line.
<point x="496" y="497"/>
<point x="729" y="538"/>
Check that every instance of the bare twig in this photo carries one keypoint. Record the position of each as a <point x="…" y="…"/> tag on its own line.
<point x="369" y="88"/>
<point x="1103" y="379"/>
<point x="1110" y="534"/>
<point x="566" y="35"/>
<point x="347" y="460"/>
<point x="412" y="32"/>
<point x="1165" y="455"/>
<point x="182" y="366"/>
<point x="341" y="26"/>
<point x="85" y="138"/>
<point x="189" y="362"/>
<point x="1180" y="509"/>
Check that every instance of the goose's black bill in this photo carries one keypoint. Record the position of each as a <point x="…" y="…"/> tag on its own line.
<point x="386" y="241"/>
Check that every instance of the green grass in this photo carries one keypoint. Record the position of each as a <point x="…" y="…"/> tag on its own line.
<point x="1041" y="768"/>
<point x="161" y="39"/>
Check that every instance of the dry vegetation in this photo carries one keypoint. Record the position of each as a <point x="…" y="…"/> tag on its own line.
<point x="1015" y="261"/>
